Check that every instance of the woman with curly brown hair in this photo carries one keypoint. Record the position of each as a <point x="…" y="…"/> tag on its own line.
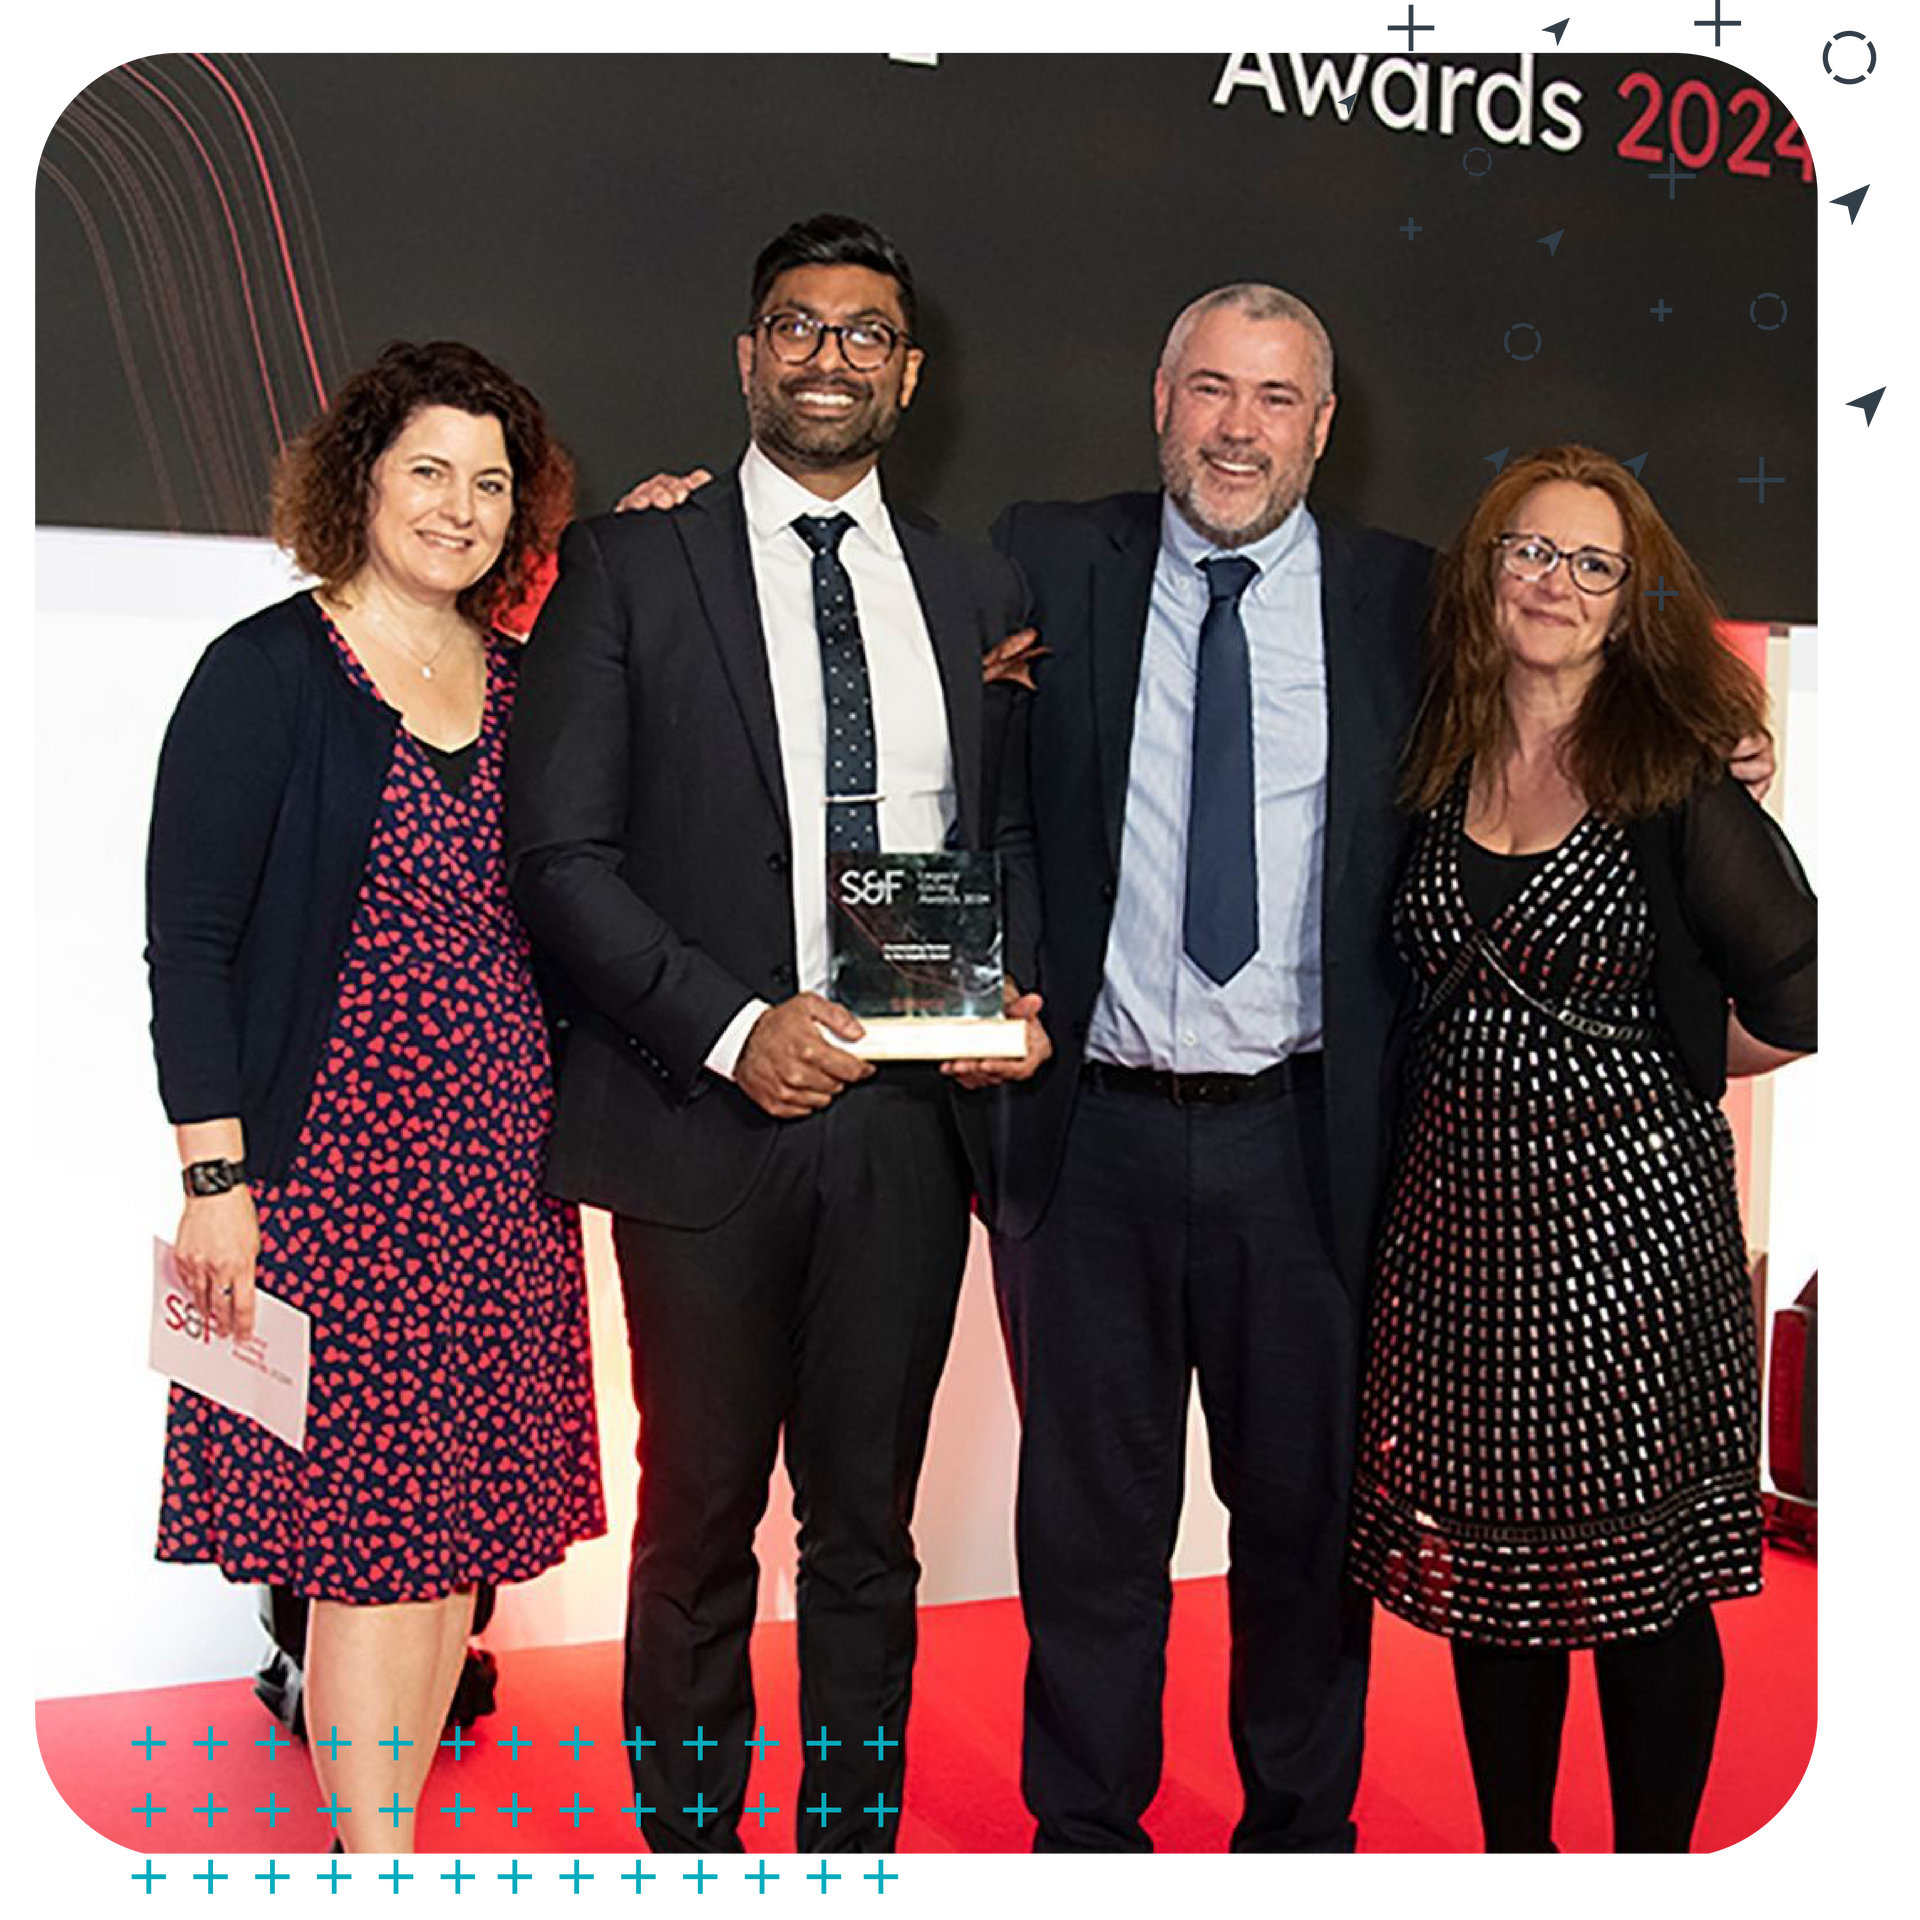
<point x="1559" y="1441"/>
<point x="351" y="1048"/>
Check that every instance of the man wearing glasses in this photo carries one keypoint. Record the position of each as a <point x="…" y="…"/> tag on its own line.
<point x="1188" y="1189"/>
<point x="713" y="700"/>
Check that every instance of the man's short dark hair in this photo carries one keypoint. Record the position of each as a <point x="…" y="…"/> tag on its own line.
<point x="833" y="240"/>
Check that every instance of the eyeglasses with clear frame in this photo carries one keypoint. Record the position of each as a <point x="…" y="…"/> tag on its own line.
<point x="865" y="345"/>
<point x="1532" y="556"/>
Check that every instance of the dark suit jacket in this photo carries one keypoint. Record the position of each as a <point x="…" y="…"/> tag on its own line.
<point x="647" y="839"/>
<point x="1089" y="568"/>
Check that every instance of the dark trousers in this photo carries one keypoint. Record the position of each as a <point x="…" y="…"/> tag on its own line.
<point x="1184" y="1240"/>
<point x="1659" y="1711"/>
<point x="822" y="1308"/>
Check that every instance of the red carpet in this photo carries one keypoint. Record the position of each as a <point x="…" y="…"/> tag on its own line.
<point x="963" y="1785"/>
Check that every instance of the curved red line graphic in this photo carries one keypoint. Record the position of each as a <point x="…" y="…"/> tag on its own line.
<point x="193" y="293"/>
<point x="283" y="153"/>
<point x="103" y="265"/>
<point x="207" y="280"/>
<point x="239" y="257"/>
<point x="159" y="297"/>
<point x="279" y="228"/>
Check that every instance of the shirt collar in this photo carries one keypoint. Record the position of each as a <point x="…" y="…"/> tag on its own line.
<point x="774" y="500"/>
<point x="1271" y="553"/>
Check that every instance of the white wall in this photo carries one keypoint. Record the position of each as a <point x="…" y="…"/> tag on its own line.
<point x="119" y="620"/>
<point x="1786" y="1108"/>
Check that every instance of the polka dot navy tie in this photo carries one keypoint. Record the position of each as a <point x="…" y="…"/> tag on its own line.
<point x="853" y="825"/>
<point x="1222" y="927"/>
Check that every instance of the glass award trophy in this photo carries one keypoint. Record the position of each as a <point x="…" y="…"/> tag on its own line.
<point x="916" y="941"/>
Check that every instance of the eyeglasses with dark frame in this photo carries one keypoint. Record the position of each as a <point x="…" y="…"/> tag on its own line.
<point x="865" y="345"/>
<point x="1532" y="556"/>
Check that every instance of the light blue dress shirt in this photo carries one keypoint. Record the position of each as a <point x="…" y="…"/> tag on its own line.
<point x="1156" y="1008"/>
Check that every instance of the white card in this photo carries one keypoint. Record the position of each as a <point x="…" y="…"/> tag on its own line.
<point x="263" y="1377"/>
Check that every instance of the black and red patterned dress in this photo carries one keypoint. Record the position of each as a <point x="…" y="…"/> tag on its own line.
<point x="450" y="1427"/>
<point x="1559" y="1426"/>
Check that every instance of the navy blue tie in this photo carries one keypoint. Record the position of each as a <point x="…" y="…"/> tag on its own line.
<point x="1222" y="928"/>
<point x="853" y="826"/>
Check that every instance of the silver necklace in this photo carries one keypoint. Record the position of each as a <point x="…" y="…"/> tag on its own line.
<point x="396" y="645"/>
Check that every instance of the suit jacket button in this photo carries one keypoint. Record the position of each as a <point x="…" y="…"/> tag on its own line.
<point x="1109" y="892"/>
<point x="777" y="861"/>
<point x="782" y="973"/>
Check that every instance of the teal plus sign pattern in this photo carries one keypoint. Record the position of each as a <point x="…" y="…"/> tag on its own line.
<point x="640" y="1876"/>
<point x="393" y="1873"/>
<point x="210" y="1875"/>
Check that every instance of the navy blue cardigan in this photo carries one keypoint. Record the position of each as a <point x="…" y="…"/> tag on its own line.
<point x="269" y="784"/>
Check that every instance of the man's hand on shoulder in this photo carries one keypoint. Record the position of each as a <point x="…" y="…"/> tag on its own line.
<point x="789" y="1067"/>
<point x="662" y="490"/>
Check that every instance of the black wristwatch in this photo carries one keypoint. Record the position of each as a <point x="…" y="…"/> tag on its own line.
<point x="206" y="1177"/>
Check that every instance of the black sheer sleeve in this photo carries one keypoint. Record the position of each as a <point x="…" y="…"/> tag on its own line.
<point x="1754" y="914"/>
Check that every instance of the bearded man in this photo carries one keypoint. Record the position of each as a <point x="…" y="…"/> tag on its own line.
<point x="714" y="698"/>
<point x="1189" y="1186"/>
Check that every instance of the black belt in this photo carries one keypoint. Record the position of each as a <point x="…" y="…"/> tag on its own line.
<point x="1291" y="1075"/>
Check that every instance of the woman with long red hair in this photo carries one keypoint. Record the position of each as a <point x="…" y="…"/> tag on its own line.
<point x="1559" y="1445"/>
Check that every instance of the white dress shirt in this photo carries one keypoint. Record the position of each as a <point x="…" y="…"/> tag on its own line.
<point x="913" y="756"/>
